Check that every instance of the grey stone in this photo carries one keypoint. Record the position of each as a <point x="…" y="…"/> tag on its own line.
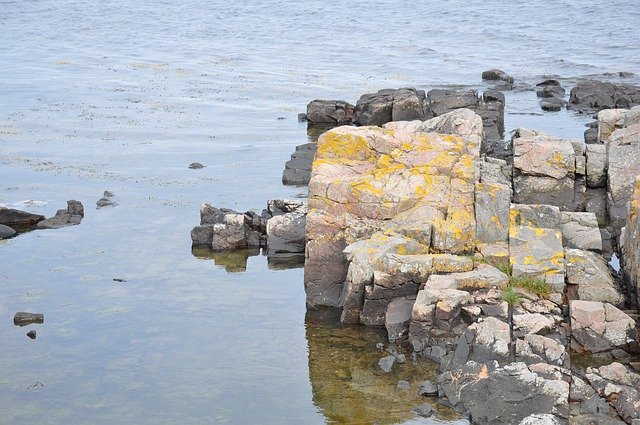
<point x="195" y="166"/>
<point x="330" y="112"/>
<point x="424" y="410"/>
<point x="542" y="419"/>
<point x="599" y="327"/>
<point x="537" y="215"/>
<point x="32" y="334"/>
<point x="211" y="215"/>
<point x="592" y="275"/>
<point x="428" y="388"/>
<point x="286" y="233"/>
<point x="374" y="109"/>
<point x="550" y="92"/>
<point x="408" y="105"/>
<point x="596" y="165"/>
<point x="397" y="318"/>
<point x="580" y="230"/>
<point x="552" y="104"/>
<point x="492" y="206"/>
<point x="202" y="235"/>
<point x="69" y="217"/>
<point x="386" y="363"/>
<point x="403" y="385"/>
<point x="443" y="101"/>
<point x="297" y="171"/>
<point x="6" y="232"/>
<point x="497" y="74"/>
<point x="623" y="149"/>
<point x="592" y="96"/>
<point x="23" y="318"/>
<point x="105" y="202"/>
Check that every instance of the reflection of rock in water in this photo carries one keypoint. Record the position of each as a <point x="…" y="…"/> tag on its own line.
<point x="232" y="261"/>
<point x="284" y="262"/>
<point x="346" y="382"/>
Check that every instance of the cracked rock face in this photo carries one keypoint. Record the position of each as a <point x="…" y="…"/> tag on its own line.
<point x="374" y="175"/>
<point x="599" y="327"/>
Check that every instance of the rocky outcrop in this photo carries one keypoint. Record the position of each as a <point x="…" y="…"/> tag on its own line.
<point x="69" y="217"/>
<point x="593" y="96"/>
<point x="623" y="149"/>
<point x="592" y="278"/>
<point x="497" y="74"/>
<point x="630" y="242"/>
<point x="617" y="387"/>
<point x="419" y="173"/>
<point x="285" y="228"/>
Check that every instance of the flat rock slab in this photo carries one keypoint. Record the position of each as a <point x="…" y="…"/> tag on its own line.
<point x="598" y="327"/>
<point x="591" y="273"/>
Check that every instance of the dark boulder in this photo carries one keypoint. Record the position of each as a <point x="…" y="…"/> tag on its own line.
<point x="329" y="112"/>
<point x="16" y="218"/>
<point x="23" y="318"/>
<point x="593" y="96"/>
<point x="297" y="171"/>
<point x="497" y="74"/>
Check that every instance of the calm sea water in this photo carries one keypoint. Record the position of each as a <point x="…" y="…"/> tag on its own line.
<point x="122" y="96"/>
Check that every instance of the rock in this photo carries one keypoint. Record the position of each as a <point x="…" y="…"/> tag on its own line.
<point x="330" y="112"/>
<point x="202" y="235"/>
<point x="408" y="105"/>
<point x="593" y="96"/>
<point x="591" y="136"/>
<point x="211" y="215"/>
<point x="69" y="217"/>
<point x="550" y="91"/>
<point x="374" y="109"/>
<point x="6" y="232"/>
<point x="515" y="391"/>
<point x="16" y="218"/>
<point x="445" y="101"/>
<point x="610" y="120"/>
<point x="283" y="206"/>
<point x="497" y="171"/>
<point x="552" y="104"/>
<point x="424" y="410"/>
<point x="386" y="363"/>
<point x="24" y="319"/>
<point x="497" y="74"/>
<point x="596" y="165"/>
<point x="428" y="388"/>
<point x="580" y="230"/>
<point x="31" y="334"/>
<point x="620" y="387"/>
<point x="403" y="385"/>
<point x="623" y="147"/>
<point x="481" y="342"/>
<point x="195" y="166"/>
<point x="544" y="171"/>
<point x="592" y="275"/>
<point x="365" y="177"/>
<point x="542" y="419"/>
<point x="544" y="216"/>
<point x="297" y="171"/>
<point x="397" y="318"/>
<point x="492" y="204"/>
<point x="302" y="117"/>
<point x="286" y="233"/>
<point x="536" y="349"/>
<point x="630" y="242"/>
<point x="599" y="327"/>
<point x="532" y="324"/>
<point x="105" y="202"/>
<point x="537" y="252"/>
<point x="108" y="194"/>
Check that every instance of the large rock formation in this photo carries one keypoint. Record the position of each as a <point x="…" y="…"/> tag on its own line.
<point x="593" y="96"/>
<point x="631" y="242"/>
<point x="364" y="178"/>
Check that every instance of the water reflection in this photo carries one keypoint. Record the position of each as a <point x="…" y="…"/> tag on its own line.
<point x="346" y="382"/>
<point x="236" y="261"/>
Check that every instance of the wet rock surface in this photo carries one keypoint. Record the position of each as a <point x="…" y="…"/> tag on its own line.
<point x="6" y="231"/>
<point x="70" y="217"/>
<point x="593" y="96"/>
<point x="17" y="218"/>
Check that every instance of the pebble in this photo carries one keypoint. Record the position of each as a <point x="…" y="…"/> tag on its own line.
<point x="386" y="363"/>
<point x="403" y="385"/>
<point x="31" y="334"/>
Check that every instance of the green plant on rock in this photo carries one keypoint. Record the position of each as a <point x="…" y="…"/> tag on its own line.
<point x="511" y="296"/>
<point x="505" y="268"/>
<point x="512" y="299"/>
<point x="534" y="285"/>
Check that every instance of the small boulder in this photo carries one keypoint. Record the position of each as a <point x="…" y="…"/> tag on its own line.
<point x="24" y="318"/>
<point x="31" y="334"/>
<point x="6" y="232"/>
<point x="195" y="166"/>
<point x="424" y="410"/>
<point x="598" y="327"/>
<point x="428" y="388"/>
<point x="403" y="385"/>
<point x="497" y="74"/>
<point x="386" y="363"/>
<point x="18" y="218"/>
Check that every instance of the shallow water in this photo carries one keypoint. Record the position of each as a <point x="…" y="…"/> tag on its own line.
<point x="122" y="96"/>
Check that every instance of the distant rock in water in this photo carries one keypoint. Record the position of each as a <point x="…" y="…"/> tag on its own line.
<point x="329" y="112"/>
<point x="6" y="232"/>
<point x="497" y="74"/>
<point x="195" y="166"/>
<point x="594" y="96"/>
<point x="106" y="200"/>
<point x="69" y="217"/>
<point x="297" y="171"/>
<point x="31" y="334"/>
<point x="23" y="318"/>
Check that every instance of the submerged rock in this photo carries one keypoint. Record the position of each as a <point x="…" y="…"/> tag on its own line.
<point x="24" y="318"/>
<point x="593" y="96"/>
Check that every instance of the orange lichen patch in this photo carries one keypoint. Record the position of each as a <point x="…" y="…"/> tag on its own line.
<point x="484" y="372"/>
<point x="366" y="186"/>
<point x="540" y="231"/>
<point x="530" y="260"/>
